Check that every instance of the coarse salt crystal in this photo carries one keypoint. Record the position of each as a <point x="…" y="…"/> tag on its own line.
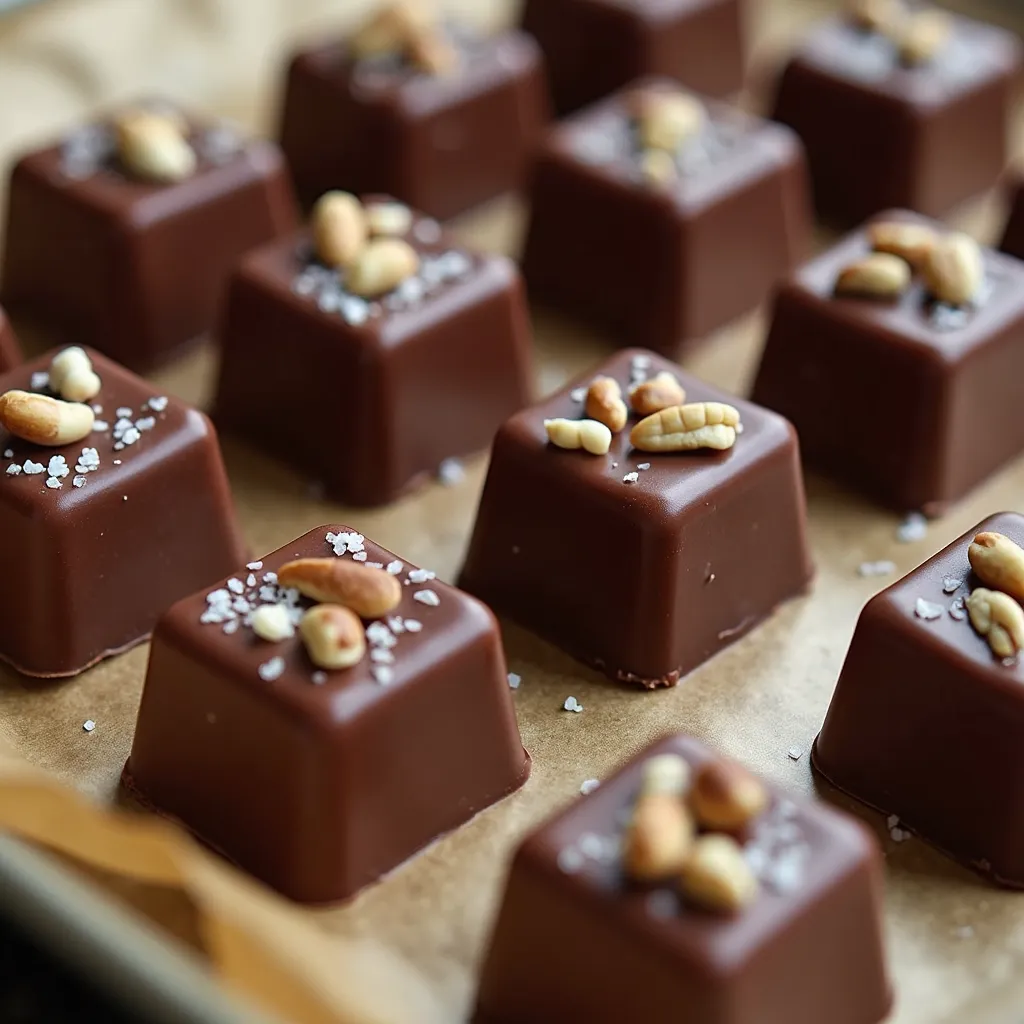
<point x="53" y="483"/>
<point x="927" y="610"/>
<point x="643" y="465"/>
<point x="450" y="473"/>
<point x="100" y="426"/>
<point x="382" y="656"/>
<point x="89" y="725"/>
<point x="427" y="597"/>
<point x="359" y="556"/>
<point x="578" y="394"/>
<point x="589" y="785"/>
<point x="319" y="678"/>
<point x="57" y="466"/>
<point x="951" y="585"/>
<point x="395" y="567"/>
<point x="514" y="679"/>
<point x="413" y="625"/>
<point x="33" y="468"/>
<point x="421" y="575"/>
<point x="254" y="566"/>
<point x="79" y="481"/>
<point x="9" y="453"/>
<point x="236" y="586"/>
<point x="795" y="753"/>
<point x="271" y="670"/>
<point x="39" y="380"/>
<point x="631" y="478"/>
<point x="914" y="527"/>
<point x="383" y="674"/>
<point x="123" y="413"/>
<point x="14" y="469"/>
<point x="572" y="704"/>
<point x="158" y="403"/>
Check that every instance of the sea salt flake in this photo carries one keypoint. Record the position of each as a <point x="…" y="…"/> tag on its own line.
<point x="427" y="597"/>
<point x="378" y="635"/>
<point x="514" y="679"/>
<point x="123" y="413"/>
<point x="345" y="543"/>
<point x="231" y="626"/>
<point x="236" y="586"/>
<point x="450" y="473"/>
<point x="578" y="394"/>
<point x="39" y="380"/>
<point x="58" y="466"/>
<point x="383" y="674"/>
<point x="250" y="580"/>
<point x="9" y="453"/>
<point x="145" y="423"/>
<point x="413" y="625"/>
<point x="644" y="465"/>
<point x="927" y="610"/>
<point x="957" y="610"/>
<point x="158" y="403"/>
<point x="319" y="678"/>
<point x="572" y="704"/>
<point x="570" y="860"/>
<point x="382" y="656"/>
<point x="951" y="585"/>
<point x="79" y="481"/>
<point x="270" y="577"/>
<point x="421" y="575"/>
<point x="588" y="786"/>
<point x="795" y="753"/>
<point x="631" y="478"/>
<point x="254" y="566"/>
<point x="395" y="567"/>
<point x="33" y="468"/>
<point x="913" y="527"/>
<point x="271" y="670"/>
<point x="100" y="426"/>
<point x="359" y="556"/>
<point x="89" y="725"/>
<point x="883" y="568"/>
<point x="53" y="483"/>
<point x="14" y="469"/>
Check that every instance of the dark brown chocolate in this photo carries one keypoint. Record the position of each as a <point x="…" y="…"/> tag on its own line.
<point x="657" y="264"/>
<point x="594" y="47"/>
<point x="133" y="268"/>
<point x="642" y="565"/>
<point x="10" y="350"/>
<point x="576" y="941"/>
<point x="926" y="723"/>
<point x="1013" y="235"/>
<point x="370" y="397"/>
<point x="102" y="535"/>
<point x="953" y="377"/>
<point x="321" y="782"/>
<point x="880" y="134"/>
<point x="442" y="143"/>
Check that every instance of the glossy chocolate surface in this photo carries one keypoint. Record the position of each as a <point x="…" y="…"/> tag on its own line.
<point x="594" y="47"/>
<point x="10" y="350"/>
<point x="643" y="580"/>
<point x="136" y="269"/>
<point x="926" y="723"/>
<point x="97" y="550"/>
<point x="576" y="941"/>
<point x="879" y="134"/>
<point x="442" y="143"/>
<point x="662" y="265"/>
<point x="425" y="374"/>
<point x="319" y="783"/>
<point x="956" y="375"/>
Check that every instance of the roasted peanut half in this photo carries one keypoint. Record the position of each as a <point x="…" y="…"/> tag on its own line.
<point x="44" y="420"/>
<point x="72" y="375"/>
<point x="659" y="838"/>
<point x="687" y="428"/>
<point x="666" y="773"/>
<point x="368" y="591"/>
<point x="339" y="228"/>
<point x="658" y="167"/>
<point x="954" y="269"/>
<point x="590" y="435"/>
<point x="878" y="276"/>
<point x="998" y="562"/>
<point x="911" y="242"/>
<point x="999" y="618"/>
<point x="660" y="392"/>
<point x="725" y="796"/>
<point x="392" y="27"/>
<point x="667" y="120"/>
<point x="154" y="148"/>
<point x="876" y="15"/>
<point x="716" y="875"/>
<point x="604" y="403"/>
<point x="923" y="36"/>
<point x="334" y="636"/>
<point x="388" y="218"/>
<point x="382" y="265"/>
<point x="430" y="51"/>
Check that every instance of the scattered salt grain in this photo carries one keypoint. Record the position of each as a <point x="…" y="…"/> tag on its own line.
<point x="421" y="575"/>
<point x="927" y="610"/>
<point x="572" y="704"/>
<point x="53" y="483"/>
<point x="359" y="556"/>
<point x="883" y="568"/>
<point x="914" y="527"/>
<point x="236" y="586"/>
<point x="450" y="473"/>
<point x="39" y="380"/>
<point x="79" y="481"/>
<point x="896" y="834"/>
<point x="578" y="394"/>
<point x="427" y="597"/>
<point x="158" y="403"/>
<point x="514" y="679"/>
<point x="271" y="670"/>
<point x="588" y="786"/>
<point x="382" y="656"/>
<point x="570" y="860"/>
<point x="951" y="585"/>
<point x="9" y="453"/>
<point x="413" y="625"/>
<point x="319" y="678"/>
<point x="395" y="567"/>
<point x="957" y="610"/>
<point x="343" y="543"/>
<point x="14" y="470"/>
<point x="644" y="465"/>
<point x="88" y="725"/>
<point x="383" y="674"/>
<point x="33" y="468"/>
<point x="57" y="466"/>
<point x="795" y="753"/>
<point x="631" y="478"/>
<point x="254" y="566"/>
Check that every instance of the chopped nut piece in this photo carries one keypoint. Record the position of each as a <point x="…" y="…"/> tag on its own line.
<point x="660" y="392"/>
<point x="717" y="876"/>
<point x="999" y="563"/>
<point x="383" y="264"/>
<point x="912" y="242"/>
<point x="154" y="147"/>
<point x="430" y="51"/>
<point x="954" y="269"/>
<point x="922" y="36"/>
<point x="666" y="120"/>
<point x="666" y="773"/>
<point x="878" y="276"/>
<point x="590" y="435"/>
<point x="44" y="420"/>
<point x="272" y="622"/>
<point x="72" y="376"/>
<point x="339" y="228"/>
<point x="604" y="403"/>
<point x="391" y="28"/>
<point x="333" y="636"/>
<point x="388" y="218"/>
<point x="658" y="167"/>
<point x="877" y="15"/>
<point x="369" y="592"/>
<point x="725" y="796"/>
<point x="659" y="838"/>
<point x="998" y="618"/>
<point x="687" y="427"/>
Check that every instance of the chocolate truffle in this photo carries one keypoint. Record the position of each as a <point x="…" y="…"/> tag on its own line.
<point x="658" y="217"/>
<point x="10" y="350"/>
<point x="643" y="564"/>
<point x="594" y="47"/>
<point x="906" y="398"/>
<point x="579" y="939"/>
<point x="319" y="782"/>
<point x="369" y="393"/>
<point x="435" y="114"/>
<point x="103" y="533"/>
<point x="122" y="235"/>
<point x="1013" y="236"/>
<point x="912" y="113"/>
<point x="926" y="720"/>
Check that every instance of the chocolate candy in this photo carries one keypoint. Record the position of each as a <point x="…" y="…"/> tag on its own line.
<point x="657" y="246"/>
<point x="103" y="533"/>
<point x="373" y="393"/>
<point x="10" y="350"/>
<point x="442" y="140"/>
<point x="887" y="123"/>
<point x="594" y="47"/>
<point x="805" y="945"/>
<point x="924" y="724"/>
<point x="905" y="398"/>
<point x="319" y="782"/>
<point x="122" y="236"/>
<point x="643" y="564"/>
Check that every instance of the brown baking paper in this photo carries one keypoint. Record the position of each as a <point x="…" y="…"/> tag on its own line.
<point x="956" y="945"/>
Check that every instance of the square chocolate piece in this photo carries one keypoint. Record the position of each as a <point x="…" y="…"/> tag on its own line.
<point x="321" y="782"/>
<point x="806" y="949"/>
<point x="442" y="142"/>
<point x="881" y="132"/>
<point x="658" y="262"/>
<point x="641" y="564"/>
<point x="594" y="47"/>
<point x="907" y="400"/>
<point x="926" y="723"/>
<point x="370" y="397"/>
<point x="132" y="266"/>
<point x="100" y="536"/>
<point x="10" y="350"/>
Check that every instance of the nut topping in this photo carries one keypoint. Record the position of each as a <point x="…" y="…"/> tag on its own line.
<point x="999" y="563"/>
<point x="876" y="15"/>
<point x="666" y="773"/>
<point x="333" y="636"/>
<point x="658" y="167"/>
<point x="659" y="838"/>
<point x="954" y="270"/>
<point x="367" y="591"/>
<point x="660" y="392"/>
<point x="726" y="796"/>
<point x="430" y="51"/>
<point x="687" y="427"/>
<point x="666" y="120"/>
<point x="391" y="28"/>
<point x="72" y="376"/>
<point x="340" y="230"/>
<point x="154" y="147"/>
<point x="912" y="242"/>
<point x="998" y="618"/>
<point x="272" y="622"/>
<point x="922" y="36"/>
<point x="590" y="435"/>
<point x="42" y="420"/>
<point x="878" y="276"/>
<point x="382" y="265"/>
<point x="717" y="876"/>
<point x="604" y="403"/>
<point x="388" y="218"/>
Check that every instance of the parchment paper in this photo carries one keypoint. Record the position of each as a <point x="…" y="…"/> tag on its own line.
<point x="955" y="944"/>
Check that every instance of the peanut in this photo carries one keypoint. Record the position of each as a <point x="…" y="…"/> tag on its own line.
<point x="726" y="796"/>
<point x="44" y="420"/>
<point x="656" y="394"/>
<point x="333" y="636"/>
<point x="666" y="773"/>
<point x="272" y="622"/>
<point x="658" y="167"/>
<point x="878" y="276"/>
<point x="154" y="147"/>
<point x="590" y="435"/>
<point x="999" y="563"/>
<point x="687" y="428"/>
<point x="388" y="218"/>
<point x="339" y="228"/>
<point x="666" y="120"/>
<point x="876" y="15"/>
<point x="391" y="28"/>
<point x="954" y="269"/>
<point x="912" y="242"/>
<point x="430" y="51"/>
<point x="659" y="838"/>
<point x="716" y="875"/>
<point x="604" y="403"/>
<point x="998" y="618"/>
<point x="382" y="265"/>
<point x="923" y="36"/>
<point x="72" y="376"/>
<point x="368" y="591"/>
